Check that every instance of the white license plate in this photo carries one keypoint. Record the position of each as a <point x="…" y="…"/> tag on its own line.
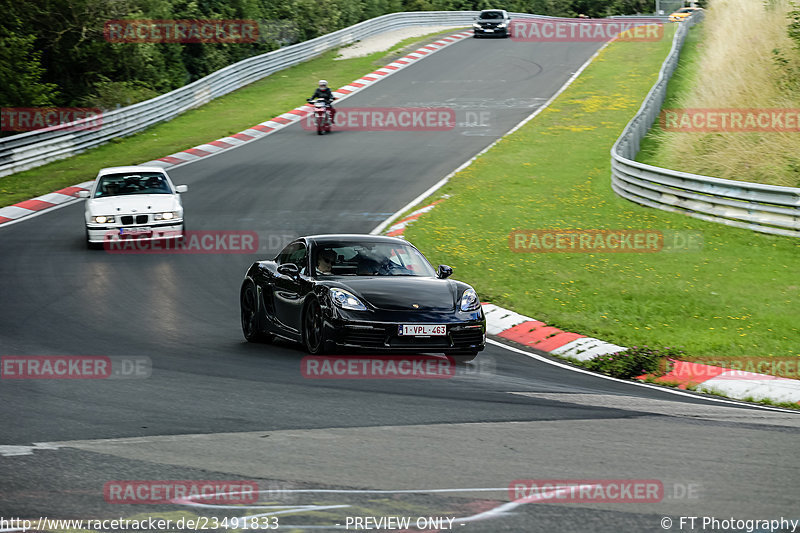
<point x="487" y="29"/>
<point x="134" y="231"/>
<point x="423" y="330"/>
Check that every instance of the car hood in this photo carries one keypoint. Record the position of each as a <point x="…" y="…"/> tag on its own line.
<point x="401" y="293"/>
<point x="141" y="203"/>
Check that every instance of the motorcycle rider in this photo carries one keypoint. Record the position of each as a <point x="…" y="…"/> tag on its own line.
<point x="324" y="92"/>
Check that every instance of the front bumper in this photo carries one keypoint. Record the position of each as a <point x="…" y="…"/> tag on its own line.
<point x="490" y="31"/>
<point x="466" y="332"/>
<point x="100" y="233"/>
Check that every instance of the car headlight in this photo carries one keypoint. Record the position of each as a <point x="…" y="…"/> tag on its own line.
<point x="169" y="215"/>
<point x="346" y="300"/>
<point x="469" y="300"/>
<point x="102" y="219"/>
<point x="502" y="25"/>
<point x="476" y="25"/>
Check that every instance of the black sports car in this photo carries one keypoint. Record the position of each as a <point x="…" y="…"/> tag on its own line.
<point x="338" y="292"/>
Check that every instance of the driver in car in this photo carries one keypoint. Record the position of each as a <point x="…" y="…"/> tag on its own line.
<point x="325" y="261"/>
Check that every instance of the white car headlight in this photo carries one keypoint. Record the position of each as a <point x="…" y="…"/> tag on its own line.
<point x="102" y="219"/>
<point x="346" y="300"/>
<point x="476" y="25"/>
<point x="169" y="215"/>
<point x="469" y="300"/>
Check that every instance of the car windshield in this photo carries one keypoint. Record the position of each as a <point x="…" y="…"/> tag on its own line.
<point x="492" y="15"/>
<point x="685" y="10"/>
<point x="371" y="259"/>
<point x="123" y="184"/>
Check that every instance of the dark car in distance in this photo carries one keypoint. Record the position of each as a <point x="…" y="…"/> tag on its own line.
<point x="335" y="293"/>
<point x="492" y="22"/>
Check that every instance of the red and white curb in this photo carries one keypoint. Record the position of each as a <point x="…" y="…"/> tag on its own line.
<point x="398" y="228"/>
<point x="732" y="383"/>
<point x="538" y="335"/>
<point x="40" y="204"/>
<point x="706" y="378"/>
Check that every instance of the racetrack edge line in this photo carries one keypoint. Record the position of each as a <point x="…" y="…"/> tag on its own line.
<point x="636" y="383"/>
<point x="383" y="225"/>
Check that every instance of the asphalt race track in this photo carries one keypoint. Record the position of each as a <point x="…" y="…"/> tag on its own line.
<point x="218" y="408"/>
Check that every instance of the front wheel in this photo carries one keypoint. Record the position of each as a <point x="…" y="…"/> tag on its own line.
<point x="92" y="245"/>
<point x="251" y="327"/>
<point x="314" y="329"/>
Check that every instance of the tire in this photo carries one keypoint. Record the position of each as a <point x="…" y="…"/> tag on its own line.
<point x="463" y="357"/>
<point x="180" y="240"/>
<point x="92" y="245"/>
<point x="248" y="304"/>
<point x="314" y="329"/>
<point x="319" y="126"/>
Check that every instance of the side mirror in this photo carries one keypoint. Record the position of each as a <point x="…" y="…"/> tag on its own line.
<point x="289" y="269"/>
<point x="83" y="194"/>
<point x="444" y="271"/>
<point x="181" y="188"/>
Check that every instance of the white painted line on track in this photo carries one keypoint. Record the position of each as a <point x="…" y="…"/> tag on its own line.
<point x="667" y="390"/>
<point x="495" y="512"/>
<point x="383" y="225"/>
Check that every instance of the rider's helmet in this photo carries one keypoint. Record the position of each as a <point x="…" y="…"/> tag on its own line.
<point x="323" y="83"/>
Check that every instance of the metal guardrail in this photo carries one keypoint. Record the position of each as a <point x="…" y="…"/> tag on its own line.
<point x="765" y="208"/>
<point x="35" y="148"/>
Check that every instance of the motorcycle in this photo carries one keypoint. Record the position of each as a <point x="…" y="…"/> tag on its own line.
<point x="322" y="115"/>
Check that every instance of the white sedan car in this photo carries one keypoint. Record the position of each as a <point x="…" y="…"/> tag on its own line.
<point x="133" y="202"/>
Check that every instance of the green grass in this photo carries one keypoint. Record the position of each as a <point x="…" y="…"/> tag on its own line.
<point x="652" y="152"/>
<point x="738" y="296"/>
<point x="224" y="116"/>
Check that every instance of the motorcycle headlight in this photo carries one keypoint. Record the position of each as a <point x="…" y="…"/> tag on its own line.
<point x="469" y="300"/>
<point x="168" y="215"/>
<point x="346" y="300"/>
<point x="103" y="219"/>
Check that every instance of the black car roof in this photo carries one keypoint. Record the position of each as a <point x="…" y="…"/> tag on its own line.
<point x="321" y="239"/>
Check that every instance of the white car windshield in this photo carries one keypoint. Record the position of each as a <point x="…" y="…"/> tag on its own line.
<point x="124" y="184"/>
<point x="371" y="259"/>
